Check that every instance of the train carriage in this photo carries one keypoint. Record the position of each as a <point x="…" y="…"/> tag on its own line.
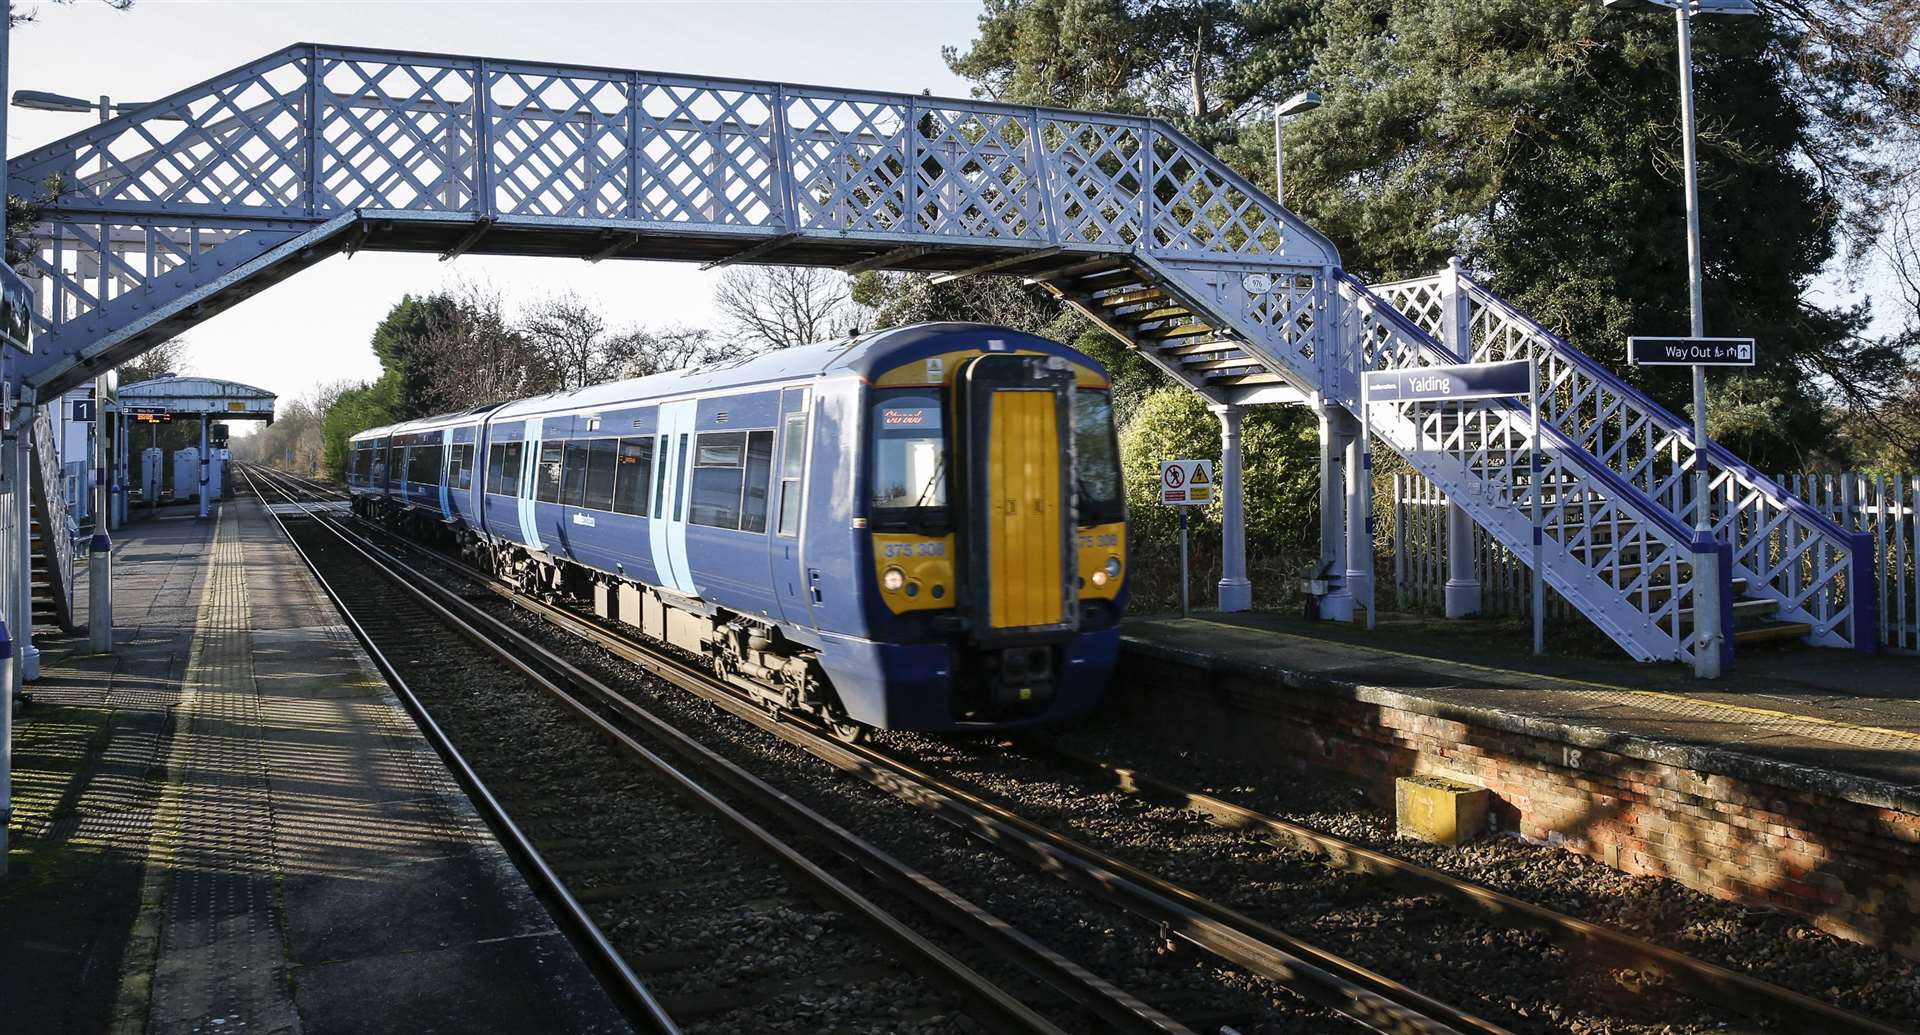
<point x="917" y="528"/>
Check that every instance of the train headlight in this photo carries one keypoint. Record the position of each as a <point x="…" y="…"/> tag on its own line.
<point x="1099" y="578"/>
<point x="1113" y="567"/>
<point x="892" y="579"/>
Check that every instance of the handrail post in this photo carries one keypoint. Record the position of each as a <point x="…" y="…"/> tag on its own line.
<point x="780" y="142"/>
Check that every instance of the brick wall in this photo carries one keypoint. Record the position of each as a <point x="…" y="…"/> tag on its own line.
<point x="1853" y="869"/>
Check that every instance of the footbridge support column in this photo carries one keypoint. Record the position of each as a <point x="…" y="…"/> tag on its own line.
<point x="1359" y="469"/>
<point x="1462" y="591"/>
<point x="1463" y="580"/>
<point x="1236" y="590"/>
<point x="203" y="465"/>
<point x="100" y="547"/>
<point x="19" y="460"/>
<point x="1338" y="431"/>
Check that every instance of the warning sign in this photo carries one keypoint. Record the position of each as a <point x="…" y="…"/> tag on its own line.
<point x="1186" y="483"/>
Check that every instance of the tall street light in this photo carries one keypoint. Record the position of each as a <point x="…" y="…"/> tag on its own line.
<point x="41" y="100"/>
<point x="1304" y="101"/>
<point x="1706" y="611"/>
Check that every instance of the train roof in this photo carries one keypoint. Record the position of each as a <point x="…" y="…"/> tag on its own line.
<point x="856" y="356"/>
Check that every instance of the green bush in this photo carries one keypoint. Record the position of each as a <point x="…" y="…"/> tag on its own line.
<point x="1280" y="461"/>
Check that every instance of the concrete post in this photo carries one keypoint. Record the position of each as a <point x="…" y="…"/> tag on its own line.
<point x="1337" y="431"/>
<point x="1236" y="591"/>
<point x="100" y="547"/>
<point x="1359" y="469"/>
<point x="1462" y="591"/>
<point x="203" y="465"/>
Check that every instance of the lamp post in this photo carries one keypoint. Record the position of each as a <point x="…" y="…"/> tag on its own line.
<point x="1304" y="101"/>
<point x="1707" y="576"/>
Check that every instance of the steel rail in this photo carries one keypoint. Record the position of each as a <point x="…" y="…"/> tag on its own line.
<point x="1320" y="977"/>
<point x="1725" y="986"/>
<point x="1121" y="1011"/>
<point x="606" y="960"/>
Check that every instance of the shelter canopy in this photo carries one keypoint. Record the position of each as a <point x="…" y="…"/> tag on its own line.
<point x="197" y="396"/>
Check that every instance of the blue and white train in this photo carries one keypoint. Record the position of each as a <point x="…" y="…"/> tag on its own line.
<point x="919" y="528"/>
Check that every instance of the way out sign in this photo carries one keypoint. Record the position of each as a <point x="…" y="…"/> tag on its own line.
<point x="1687" y="352"/>
<point x="1186" y="483"/>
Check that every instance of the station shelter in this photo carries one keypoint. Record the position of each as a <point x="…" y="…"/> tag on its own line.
<point x="168" y="399"/>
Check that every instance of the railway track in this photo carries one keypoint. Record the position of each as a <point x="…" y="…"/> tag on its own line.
<point x="561" y="852"/>
<point x="1192" y="918"/>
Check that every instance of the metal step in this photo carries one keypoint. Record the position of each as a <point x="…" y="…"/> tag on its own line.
<point x="1120" y="298"/>
<point x="1184" y="330"/>
<point x="1773" y="631"/>
<point x="1200" y="347"/>
<point x="1744" y="608"/>
<point x="1235" y="380"/>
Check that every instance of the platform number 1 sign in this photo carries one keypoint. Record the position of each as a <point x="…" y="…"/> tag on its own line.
<point x="1183" y="484"/>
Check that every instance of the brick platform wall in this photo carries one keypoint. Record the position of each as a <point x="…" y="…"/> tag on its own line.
<point x="1852" y="869"/>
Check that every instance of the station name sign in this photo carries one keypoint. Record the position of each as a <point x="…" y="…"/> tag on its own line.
<point x="1687" y="352"/>
<point x="1443" y="383"/>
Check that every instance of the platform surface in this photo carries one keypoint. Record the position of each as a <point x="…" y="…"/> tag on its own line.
<point x="1830" y="721"/>
<point x="232" y="825"/>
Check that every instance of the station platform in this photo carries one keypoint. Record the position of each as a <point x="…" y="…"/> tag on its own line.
<point x="1793" y="783"/>
<point x="231" y="824"/>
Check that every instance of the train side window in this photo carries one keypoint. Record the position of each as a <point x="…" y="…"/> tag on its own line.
<point x="458" y="475"/>
<point x="510" y="470"/>
<point x="426" y="463"/>
<point x="632" y="475"/>
<point x="680" y="488"/>
<point x="600" y="468"/>
<point x="717" y="472"/>
<point x="496" y="459"/>
<point x="793" y="464"/>
<point x="753" y="502"/>
<point x="503" y="469"/>
<point x="660" y="479"/>
<point x="574" y="488"/>
<point x="547" y="478"/>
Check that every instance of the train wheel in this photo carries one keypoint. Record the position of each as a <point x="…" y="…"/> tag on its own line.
<point x="846" y="730"/>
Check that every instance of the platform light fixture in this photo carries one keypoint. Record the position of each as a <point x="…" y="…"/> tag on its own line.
<point x="1707" y="610"/>
<point x="42" y="100"/>
<point x="1300" y="103"/>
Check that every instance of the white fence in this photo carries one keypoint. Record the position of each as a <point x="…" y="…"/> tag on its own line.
<point x="1885" y="508"/>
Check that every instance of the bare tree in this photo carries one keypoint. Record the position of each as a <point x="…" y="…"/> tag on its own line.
<point x="572" y="334"/>
<point x="777" y="307"/>
<point x="167" y="359"/>
<point x="477" y="355"/>
<point x="670" y="348"/>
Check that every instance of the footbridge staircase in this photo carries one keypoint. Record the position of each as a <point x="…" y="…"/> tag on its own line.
<point x="167" y="214"/>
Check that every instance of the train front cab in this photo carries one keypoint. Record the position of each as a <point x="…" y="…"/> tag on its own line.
<point x="997" y="582"/>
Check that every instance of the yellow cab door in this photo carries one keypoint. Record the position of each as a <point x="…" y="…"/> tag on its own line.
<point x="1021" y="560"/>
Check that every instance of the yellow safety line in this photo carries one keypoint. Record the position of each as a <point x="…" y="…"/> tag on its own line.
<point x="1682" y="698"/>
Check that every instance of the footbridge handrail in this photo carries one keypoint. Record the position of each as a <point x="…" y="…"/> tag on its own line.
<point x="1785" y="547"/>
<point x="1618" y="592"/>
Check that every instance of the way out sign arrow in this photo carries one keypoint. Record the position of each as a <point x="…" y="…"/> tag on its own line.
<point x="1186" y="483"/>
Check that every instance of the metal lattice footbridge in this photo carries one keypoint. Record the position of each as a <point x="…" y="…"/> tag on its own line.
<point x="168" y="214"/>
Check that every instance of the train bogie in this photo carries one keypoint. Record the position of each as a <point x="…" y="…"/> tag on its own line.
<point x="921" y="528"/>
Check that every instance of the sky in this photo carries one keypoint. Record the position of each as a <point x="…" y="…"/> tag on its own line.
<point x="314" y="327"/>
